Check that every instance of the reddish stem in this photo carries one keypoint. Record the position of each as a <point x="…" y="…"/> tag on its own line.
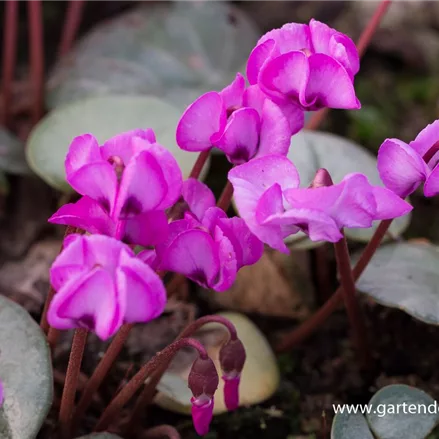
<point x="225" y="197"/>
<point x="9" y="56"/>
<point x="350" y="300"/>
<point x="71" y="383"/>
<point x="139" y="378"/>
<point x="314" y="322"/>
<point x="362" y="44"/>
<point x="71" y="25"/>
<point x="199" y="164"/>
<point x="36" y="45"/>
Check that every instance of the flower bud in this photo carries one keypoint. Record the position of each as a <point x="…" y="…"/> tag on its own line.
<point x="203" y="382"/>
<point x="321" y="179"/>
<point x="232" y="359"/>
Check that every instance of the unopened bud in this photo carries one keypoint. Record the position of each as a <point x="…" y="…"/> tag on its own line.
<point x="321" y="179"/>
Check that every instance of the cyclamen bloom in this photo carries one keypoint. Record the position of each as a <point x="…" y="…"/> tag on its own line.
<point x="126" y="185"/>
<point x="312" y="66"/>
<point x="403" y="167"/>
<point x="243" y="123"/>
<point x="100" y="285"/>
<point x="269" y="199"/>
<point x="205" y="246"/>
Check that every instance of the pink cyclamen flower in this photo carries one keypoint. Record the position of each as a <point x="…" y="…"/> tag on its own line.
<point x="243" y="123"/>
<point x="203" y="382"/>
<point x="206" y="246"/>
<point x="311" y="65"/>
<point x="126" y="185"/>
<point x="269" y="199"/>
<point x="100" y="284"/>
<point x="403" y="167"/>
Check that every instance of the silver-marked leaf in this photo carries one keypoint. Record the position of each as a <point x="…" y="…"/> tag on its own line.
<point x="405" y="276"/>
<point x="311" y="150"/>
<point x="26" y="373"/>
<point x="12" y="158"/>
<point x="154" y="49"/>
<point x="402" y="412"/>
<point x="104" y="117"/>
<point x="350" y="426"/>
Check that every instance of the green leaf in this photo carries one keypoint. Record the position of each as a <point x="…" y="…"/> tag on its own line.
<point x="405" y="276"/>
<point x="350" y="426"/>
<point x="311" y="150"/>
<point x="390" y="420"/>
<point x="12" y="158"/>
<point x="100" y="436"/>
<point x="26" y="373"/>
<point x="104" y="117"/>
<point x="156" y="49"/>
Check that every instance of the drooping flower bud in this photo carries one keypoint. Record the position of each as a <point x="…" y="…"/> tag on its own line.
<point x="203" y="382"/>
<point x="232" y="359"/>
<point x="321" y="179"/>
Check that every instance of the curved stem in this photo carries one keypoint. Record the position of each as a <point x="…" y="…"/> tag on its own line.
<point x="314" y="322"/>
<point x="139" y="378"/>
<point x="350" y="300"/>
<point x="199" y="164"/>
<point x="71" y="382"/>
<point x="71" y="25"/>
<point x="226" y="197"/>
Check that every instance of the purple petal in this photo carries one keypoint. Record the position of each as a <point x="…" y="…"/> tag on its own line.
<point x="231" y="392"/>
<point x="227" y="262"/>
<point x="143" y="187"/>
<point x="239" y="140"/>
<point x="202" y="119"/>
<point x="287" y="75"/>
<point x="389" y="205"/>
<point x="275" y="132"/>
<point x="400" y="167"/>
<point x="194" y="254"/>
<point x="82" y="151"/>
<point x="89" y="302"/>
<point x="171" y="173"/>
<point x="144" y="291"/>
<point x="87" y="214"/>
<point x="147" y="229"/>
<point x="290" y="37"/>
<point x="198" y="196"/>
<point x="431" y="186"/>
<point x="261" y="54"/>
<point x="149" y="257"/>
<point x="101" y="250"/>
<point x="233" y="93"/>
<point x="426" y="138"/>
<point x="202" y="413"/>
<point x="212" y="217"/>
<point x="329" y="85"/>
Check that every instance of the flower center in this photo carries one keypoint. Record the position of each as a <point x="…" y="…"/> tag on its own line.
<point x="118" y="165"/>
<point x="431" y="152"/>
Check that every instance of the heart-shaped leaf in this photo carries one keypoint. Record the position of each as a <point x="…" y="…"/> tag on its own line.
<point x="155" y="49"/>
<point x="12" y="158"/>
<point x="311" y="150"/>
<point x="26" y="373"/>
<point x="402" y="412"/>
<point x="405" y="276"/>
<point x="104" y="117"/>
<point x="350" y="426"/>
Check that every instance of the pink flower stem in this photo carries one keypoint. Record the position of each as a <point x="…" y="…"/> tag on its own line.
<point x="225" y="197"/>
<point x="362" y="44"/>
<point x="71" y="382"/>
<point x="149" y="390"/>
<point x="199" y="164"/>
<point x="136" y="382"/>
<point x="351" y="303"/>
<point x="9" y="56"/>
<point x="307" y="328"/>
<point x="71" y="25"/>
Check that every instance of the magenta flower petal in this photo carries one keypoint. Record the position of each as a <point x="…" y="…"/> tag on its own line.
<point x="227" y="262"/>
<point x="290" y="37"/>
<point x="194" y="254"/>
<point x="428" y="137"/>
<point x="87" y="214"/>
<point x="90" y="301"/>
<point x="198" y="196"/>
<point x="388" y="204"/>
<point x="400" y="167"/>
<point x="147" y="229"/>
<point x="202" y="413"/>
<point x="149" y="257"/>
<point x="82" y="151"/>
<point x="143" y="289"/>
<point x="212" y="217"/>
<point x="277" y="80"/>
<point x="329" y="85"/>
<point x="233" y="93"/>
<point x="201" y="120"/>
<point x="275" y="132"/>
<point x="431" y="186"/>
<point x="258" y="57"/>
<point x="240" y="138"/>
<point x="143" y="186"/>
<point x="231" y="391"/>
